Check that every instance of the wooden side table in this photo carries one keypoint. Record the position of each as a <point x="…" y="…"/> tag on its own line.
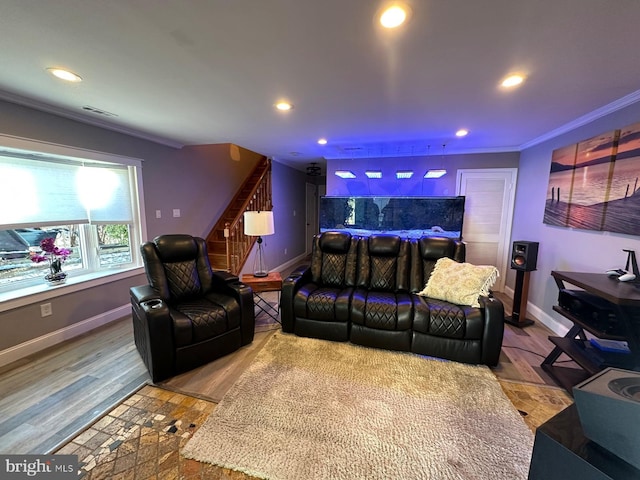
<point x="270" y="283"/>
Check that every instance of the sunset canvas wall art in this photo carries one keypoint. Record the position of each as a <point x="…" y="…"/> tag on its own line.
<point x="593" y="184"/>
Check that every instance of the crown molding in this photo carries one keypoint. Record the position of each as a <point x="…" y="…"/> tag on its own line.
<point x="612" y="107"/>
<point x="78" y="117"/>
<point x="462" y="151"/>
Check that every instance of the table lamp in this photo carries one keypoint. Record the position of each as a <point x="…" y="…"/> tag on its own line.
<point x="259" y="224"/>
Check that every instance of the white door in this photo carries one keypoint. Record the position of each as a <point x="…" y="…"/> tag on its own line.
<point x="488" y="214"/>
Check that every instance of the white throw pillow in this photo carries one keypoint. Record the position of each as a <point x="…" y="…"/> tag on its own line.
<point x="460" y="283"/>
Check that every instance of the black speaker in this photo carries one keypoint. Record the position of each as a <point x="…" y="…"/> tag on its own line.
<point x="524" y="256"/>
<point x="524" y="259"/>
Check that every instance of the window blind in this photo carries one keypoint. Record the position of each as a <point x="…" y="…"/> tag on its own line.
<point x="38" y="192"/>
<point x="105" y="191"/>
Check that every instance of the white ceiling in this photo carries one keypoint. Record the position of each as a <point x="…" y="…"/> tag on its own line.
<point x="198" y="72"/>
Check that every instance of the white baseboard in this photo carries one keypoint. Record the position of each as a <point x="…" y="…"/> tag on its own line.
<point x="291" y="263"/>
<point x="551" y="323"/>
<point x="50" y="339"/>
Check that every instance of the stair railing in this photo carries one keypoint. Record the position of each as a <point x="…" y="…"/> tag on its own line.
<point x="238" y="244"/>
<point x="254" y="194"/>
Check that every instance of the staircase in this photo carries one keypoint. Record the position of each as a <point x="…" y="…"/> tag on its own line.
<point x="227" y="244"/>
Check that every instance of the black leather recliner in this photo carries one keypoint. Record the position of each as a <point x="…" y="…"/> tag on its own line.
<point x="442" y="329"/>
<point x="187" y="315"/>
<point x="319" y="306"/>
<point x="381" y="309"/>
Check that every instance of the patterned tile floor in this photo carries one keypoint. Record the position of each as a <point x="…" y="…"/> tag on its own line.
<point x="536" y="403"/>
<point x="142" y="437"/>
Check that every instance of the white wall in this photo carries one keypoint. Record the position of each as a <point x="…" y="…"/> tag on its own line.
<point x="563" y="248"/>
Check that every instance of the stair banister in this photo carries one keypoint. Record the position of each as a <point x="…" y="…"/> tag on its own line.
<point x="254" y="194"/>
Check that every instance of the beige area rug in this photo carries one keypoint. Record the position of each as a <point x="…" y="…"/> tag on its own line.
<point x="312" y="409"/>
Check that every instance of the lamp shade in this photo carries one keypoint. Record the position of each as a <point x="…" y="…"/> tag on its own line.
<point x="258" y="224"/>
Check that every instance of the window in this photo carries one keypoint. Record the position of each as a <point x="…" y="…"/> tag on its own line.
<point x="88" y="202"/>
<point x="114" y="245"/>
<point x="18" y="245"/>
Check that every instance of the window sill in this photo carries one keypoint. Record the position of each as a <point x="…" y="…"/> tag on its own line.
<point x="38" y="293"/>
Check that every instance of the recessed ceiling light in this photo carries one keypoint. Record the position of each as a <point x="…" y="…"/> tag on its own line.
<point x="284" y="106"/>
<point x="345" y="174"/>
<point x="463" y="132"/>
<point x="63" y="74"/>
<point x="322" y="141"/>
<point x="512" y="80"/>
<point x="373" y="173"/>
<point x="393" y="16"/>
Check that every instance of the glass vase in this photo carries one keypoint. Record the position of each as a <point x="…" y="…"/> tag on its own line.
<point x="57" y="278"/>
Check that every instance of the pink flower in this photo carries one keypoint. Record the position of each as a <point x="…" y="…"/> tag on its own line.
<point x="54" y="255"/>
<point x="37" y="258"/>
<point x="48" y="245"/>
<point x="61" y="252"/>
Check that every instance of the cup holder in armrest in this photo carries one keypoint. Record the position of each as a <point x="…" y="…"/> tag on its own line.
<point x="153" y="304"/>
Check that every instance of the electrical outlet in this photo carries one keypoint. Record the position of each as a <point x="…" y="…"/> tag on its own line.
<point x="45" y="309"/>
<point x="176" y="212"/>
<point x="158" y="213"/>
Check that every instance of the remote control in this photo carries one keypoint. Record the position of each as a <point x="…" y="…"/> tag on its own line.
<point x="616" y="272"/>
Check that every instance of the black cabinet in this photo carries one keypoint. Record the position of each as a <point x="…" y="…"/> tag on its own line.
<point x="562" y="452"/>
<point x="623" y="324"/>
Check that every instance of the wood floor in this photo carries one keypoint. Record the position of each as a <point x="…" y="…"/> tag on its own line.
<point x="49" y="397"/>
<point x="524" y="349"/>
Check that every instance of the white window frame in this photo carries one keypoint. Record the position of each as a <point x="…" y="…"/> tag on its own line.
<point x="39" y="291"/>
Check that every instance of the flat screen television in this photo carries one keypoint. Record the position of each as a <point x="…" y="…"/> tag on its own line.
<point x="409" y="217"/>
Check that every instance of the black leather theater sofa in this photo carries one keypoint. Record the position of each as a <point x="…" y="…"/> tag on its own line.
<point x="365" y="290"/>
